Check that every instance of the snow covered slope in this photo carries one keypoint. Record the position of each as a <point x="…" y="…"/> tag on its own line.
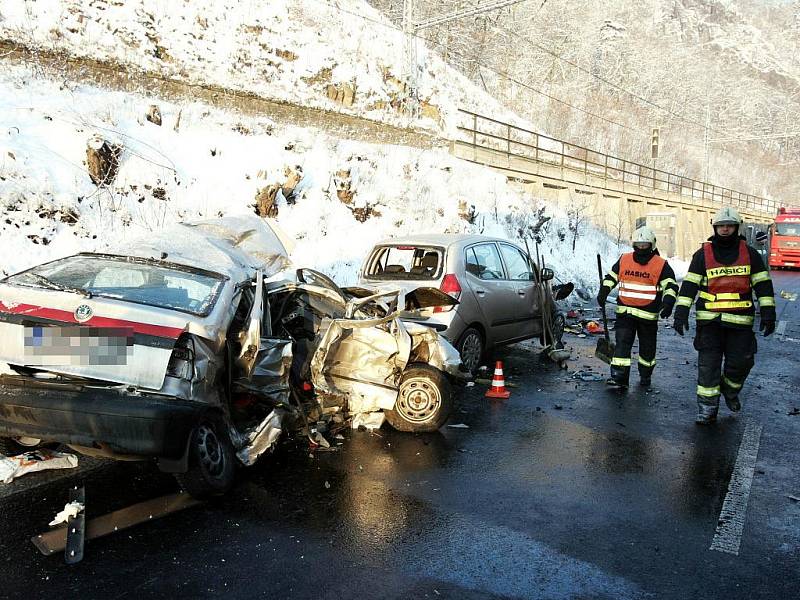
<point x="310" y="52"/>
<point x="216" y="162"/>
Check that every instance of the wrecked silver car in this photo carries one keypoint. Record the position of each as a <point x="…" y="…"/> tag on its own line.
<point x="186" y="348"/>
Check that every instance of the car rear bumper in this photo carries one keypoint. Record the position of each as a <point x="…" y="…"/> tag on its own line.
<point x="448" y="324"/>
<point x="98" y="418"/>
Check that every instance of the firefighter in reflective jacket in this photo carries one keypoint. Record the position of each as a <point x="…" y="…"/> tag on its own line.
<point x="724" y="275"/>
<point x="647" y="287"/>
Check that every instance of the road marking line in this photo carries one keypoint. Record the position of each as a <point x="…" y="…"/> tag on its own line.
<point x="730" y="525"/>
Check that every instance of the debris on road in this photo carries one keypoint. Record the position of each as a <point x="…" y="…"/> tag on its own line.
<point x="593" y="327"/>
<point x="70" y="510"/>
<point x="53" y="541"/>
<point x="794" y="412"/>
<point x="459" y="426"/>
<point x="368" y="420"/>
<point x="793" y="498"/>
<point x="36" y="460"/>
<point x="587" y="375"/>
<point x="790" y="296"/>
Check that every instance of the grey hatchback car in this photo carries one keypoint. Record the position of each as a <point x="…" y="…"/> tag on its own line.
<point x="496" y="283"/>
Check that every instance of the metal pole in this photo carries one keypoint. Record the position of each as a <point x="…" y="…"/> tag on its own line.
<point x="475" y="138"/>
<point x="508" y="145"/>
<point x="411" y="53"/>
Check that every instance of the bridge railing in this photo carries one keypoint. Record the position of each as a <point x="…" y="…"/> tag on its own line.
<point x="485" y="133"/>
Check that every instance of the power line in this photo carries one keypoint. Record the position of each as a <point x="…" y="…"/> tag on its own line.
<point x="772" y="136"/>
<point x="465" y="13"/>
<point x="604" y="80"/>
<point x="500" y="73"/>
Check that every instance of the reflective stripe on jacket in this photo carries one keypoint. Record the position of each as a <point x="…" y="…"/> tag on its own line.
<point x="638" y="284"/>
<point x="729" y="287"/>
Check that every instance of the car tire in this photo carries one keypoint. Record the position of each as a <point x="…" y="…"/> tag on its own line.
<point x="471" y="347"/>
<point x="212" y="465"/>
<point x="12" y="447"/>
<point x="424" y="400"/>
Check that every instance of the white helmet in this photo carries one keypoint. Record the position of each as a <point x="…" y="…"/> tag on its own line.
<point x="727" y="215"/>
<point x="644" y="235"/>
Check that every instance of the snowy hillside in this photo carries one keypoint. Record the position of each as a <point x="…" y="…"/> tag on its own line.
<point x="342" y="56"/>
<point x="349" y="195"/>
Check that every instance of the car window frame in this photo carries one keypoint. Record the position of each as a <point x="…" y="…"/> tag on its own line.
<point x="376" y="255"/>
<point x="528" y="261"/>
<point x="486" y="243"/>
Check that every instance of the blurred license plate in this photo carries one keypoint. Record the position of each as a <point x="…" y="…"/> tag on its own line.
<point x="77" y="346"/>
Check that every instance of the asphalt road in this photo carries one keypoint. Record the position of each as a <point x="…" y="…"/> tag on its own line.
<point x="566" y="490"/>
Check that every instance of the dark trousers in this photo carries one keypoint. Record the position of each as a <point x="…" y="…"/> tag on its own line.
<point x="714" y="342"/>
<point x="627" y="329"/>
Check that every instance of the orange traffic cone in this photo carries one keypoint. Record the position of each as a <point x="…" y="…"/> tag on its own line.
<point x="498" y="389"/>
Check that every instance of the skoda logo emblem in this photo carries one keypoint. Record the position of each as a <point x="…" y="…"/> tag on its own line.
<point x="83" y="313"/>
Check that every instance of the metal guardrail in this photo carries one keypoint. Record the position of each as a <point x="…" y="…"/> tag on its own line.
<point x="485" y="133"/>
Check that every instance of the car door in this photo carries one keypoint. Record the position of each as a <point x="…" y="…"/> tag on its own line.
<point x="495" y="295"/>
<point x="521" y="272"/>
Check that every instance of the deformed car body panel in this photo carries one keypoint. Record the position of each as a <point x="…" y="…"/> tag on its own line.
<point x="363" y="359"/>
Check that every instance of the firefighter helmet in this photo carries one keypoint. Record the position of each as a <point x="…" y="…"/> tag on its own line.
<point x="644" y="235"/>
<point x="727" y="215"/>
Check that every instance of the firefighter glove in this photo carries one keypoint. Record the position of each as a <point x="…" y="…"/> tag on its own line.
<point x="666" y="310"/>
<point x="602" y="295"/>
<point x="681" y="323"/>
<point x="767" y="326"/>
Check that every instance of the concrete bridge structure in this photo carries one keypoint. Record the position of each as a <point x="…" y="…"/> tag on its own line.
<point x="617" y="195"/>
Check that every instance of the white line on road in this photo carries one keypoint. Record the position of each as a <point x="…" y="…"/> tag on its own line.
<point x="730" y="525"/>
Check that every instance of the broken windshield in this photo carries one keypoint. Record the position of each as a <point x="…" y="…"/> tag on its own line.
<point x="138" y="281"/>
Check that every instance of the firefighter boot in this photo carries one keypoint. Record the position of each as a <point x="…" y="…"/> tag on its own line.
<point x="616" y="383"/>
<point x="619" y="374"/>
<point x="706" y="414"/>
<point x="733" y="403"/>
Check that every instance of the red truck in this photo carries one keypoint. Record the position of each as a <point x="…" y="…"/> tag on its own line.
<point x="784" y="247"/>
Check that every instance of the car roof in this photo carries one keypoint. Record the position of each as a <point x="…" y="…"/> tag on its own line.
<point x="234" y="246"/>
<point x="438" y="239"/>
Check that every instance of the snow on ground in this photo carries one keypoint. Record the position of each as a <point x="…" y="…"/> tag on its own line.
<point x="214" y="164"/>
<point x="289" y="50"/>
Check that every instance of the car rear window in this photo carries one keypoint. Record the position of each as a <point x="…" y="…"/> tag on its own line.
<point x="185" y="289"/>
<point x="405" y="262"/>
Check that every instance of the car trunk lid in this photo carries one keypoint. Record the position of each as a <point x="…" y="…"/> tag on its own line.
<point x="95" y="338"/>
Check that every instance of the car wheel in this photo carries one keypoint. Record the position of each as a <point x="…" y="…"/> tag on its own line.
<point x="211" y="462"/>
<point x="424" y="400"/>
<point x="19" y="445"/>
<point x="470" y="348"/>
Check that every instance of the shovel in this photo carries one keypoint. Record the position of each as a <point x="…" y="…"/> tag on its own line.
<point x="605" y="348"/>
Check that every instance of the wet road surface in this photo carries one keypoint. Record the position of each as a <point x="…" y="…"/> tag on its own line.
<point x="566" y="490"/>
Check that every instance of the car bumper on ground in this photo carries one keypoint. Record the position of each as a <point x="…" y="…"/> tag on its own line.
<point x="103" y="419"/>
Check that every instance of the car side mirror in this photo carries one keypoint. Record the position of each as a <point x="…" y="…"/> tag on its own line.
<point x="547" y="274"/>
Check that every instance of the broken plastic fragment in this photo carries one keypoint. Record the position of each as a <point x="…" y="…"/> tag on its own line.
<point x="459" y="426"/>
<point x="69" y="511"/>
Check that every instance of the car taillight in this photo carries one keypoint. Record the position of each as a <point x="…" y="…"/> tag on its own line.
<point x="181" y="363"/>
<point x="451" y="287"/>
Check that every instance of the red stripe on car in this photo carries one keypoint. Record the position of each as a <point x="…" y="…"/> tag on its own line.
<point x="68" y="317"/>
